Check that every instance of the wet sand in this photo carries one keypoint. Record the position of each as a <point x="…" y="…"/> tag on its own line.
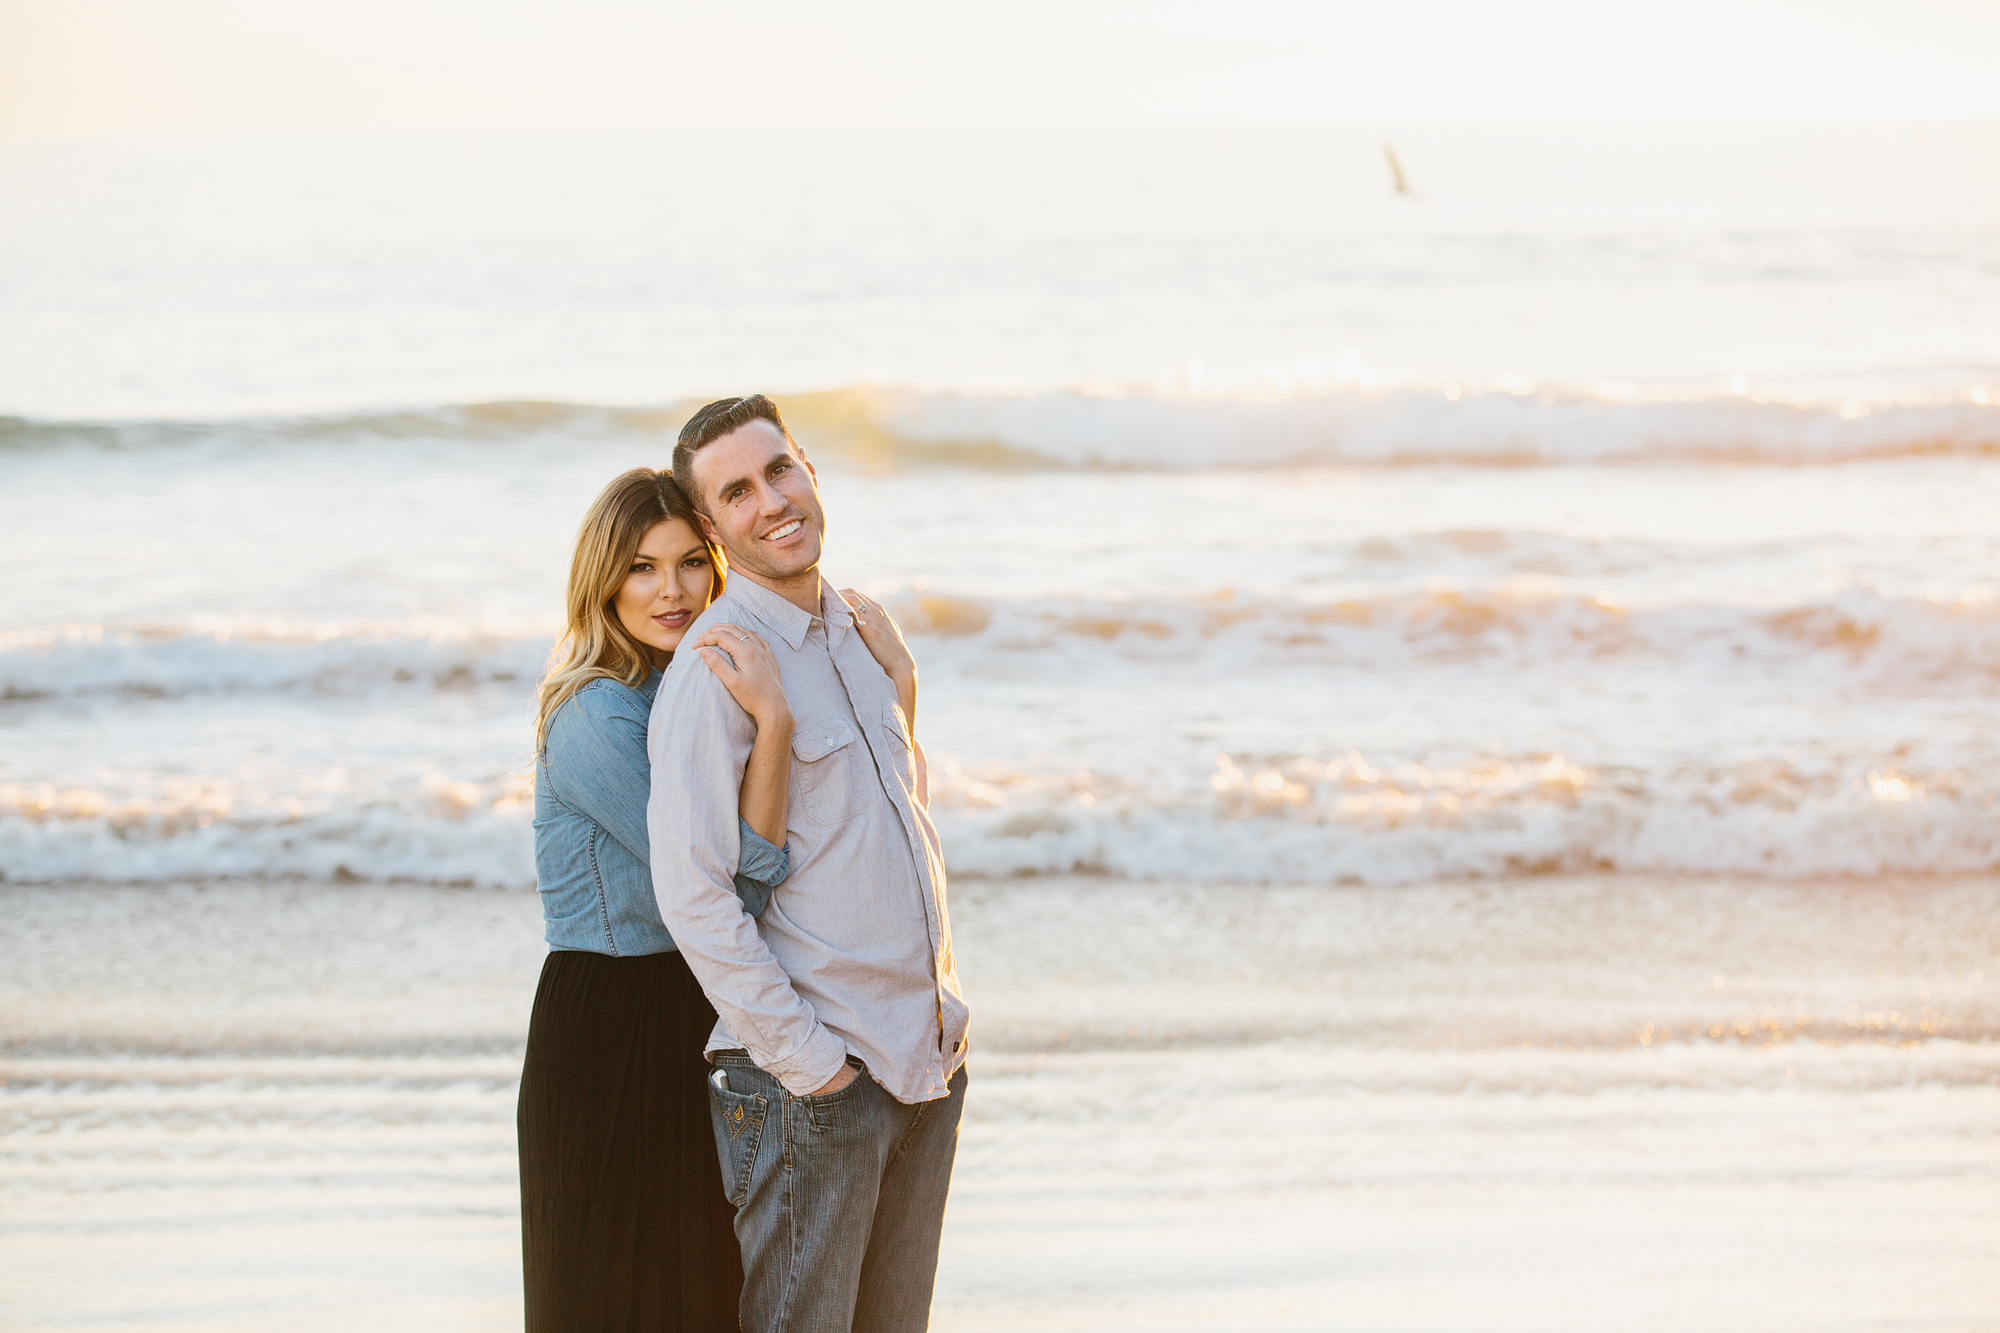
<point x="1539" y="1104"/>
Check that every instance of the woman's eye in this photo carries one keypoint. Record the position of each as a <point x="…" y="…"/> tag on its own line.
<point x="641" y="568"/>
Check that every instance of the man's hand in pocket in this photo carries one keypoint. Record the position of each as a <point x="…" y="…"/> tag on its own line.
<point x="838" y="1081"/>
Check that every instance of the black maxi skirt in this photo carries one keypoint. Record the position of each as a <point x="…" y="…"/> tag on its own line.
<point x="624" y="1226"/>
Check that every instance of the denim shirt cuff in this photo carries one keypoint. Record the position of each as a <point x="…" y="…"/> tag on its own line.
<point x="758" y="859"/>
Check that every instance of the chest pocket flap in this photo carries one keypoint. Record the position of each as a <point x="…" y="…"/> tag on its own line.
<point x="825" y="781"/>
<point x="814" y="741"/>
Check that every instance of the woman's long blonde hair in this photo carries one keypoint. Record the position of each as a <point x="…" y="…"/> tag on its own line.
<point x="593" y="644"/>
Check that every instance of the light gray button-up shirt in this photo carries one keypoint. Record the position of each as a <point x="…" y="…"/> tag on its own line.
<point x="853" y="955"/>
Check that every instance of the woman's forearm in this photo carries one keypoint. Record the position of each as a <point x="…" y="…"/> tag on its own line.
<point x="766" y="777"/>
<point x="906" y="698"/>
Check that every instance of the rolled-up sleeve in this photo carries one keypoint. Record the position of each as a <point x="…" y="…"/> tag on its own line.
<point x="698" y="742"/>
<point x="760" y="868"/>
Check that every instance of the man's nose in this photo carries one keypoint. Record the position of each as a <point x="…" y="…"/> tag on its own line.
<point x="770" y="500"/>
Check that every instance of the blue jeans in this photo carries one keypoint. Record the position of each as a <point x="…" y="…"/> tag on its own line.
<point x="839" y="1199"/>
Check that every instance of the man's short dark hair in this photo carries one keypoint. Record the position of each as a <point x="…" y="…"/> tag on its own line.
<point x="710" y="424"/>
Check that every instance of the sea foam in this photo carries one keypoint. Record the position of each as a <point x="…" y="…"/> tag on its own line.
<point x="1858" y="633"/>
<point x="1339" y="819"/>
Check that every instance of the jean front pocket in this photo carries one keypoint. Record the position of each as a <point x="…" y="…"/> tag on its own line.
<point x="846" y="1112"/>
<point x="739" y="1119"/>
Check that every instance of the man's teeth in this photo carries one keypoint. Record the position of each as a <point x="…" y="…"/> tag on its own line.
<point x="779" y="534"/>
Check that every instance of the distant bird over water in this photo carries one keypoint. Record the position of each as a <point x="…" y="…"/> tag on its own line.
<point x="1395" y="167"/>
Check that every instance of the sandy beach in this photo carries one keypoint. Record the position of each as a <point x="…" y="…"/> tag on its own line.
<point x="1553" y="1103"/>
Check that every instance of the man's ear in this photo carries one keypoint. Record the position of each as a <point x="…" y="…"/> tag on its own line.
<point x="811" y="471"/>
<point x="707" y="528"/>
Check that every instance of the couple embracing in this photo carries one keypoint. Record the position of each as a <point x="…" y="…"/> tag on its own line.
<point x="745" y="1068"/>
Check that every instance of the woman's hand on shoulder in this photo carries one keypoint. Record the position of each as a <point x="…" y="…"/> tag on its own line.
<point x="884" y="639"/>
<point x="882" y="634"/>
<point x="752" y="678"/>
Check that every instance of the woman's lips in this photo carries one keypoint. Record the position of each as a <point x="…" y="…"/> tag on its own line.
<point x="674" y="619"/>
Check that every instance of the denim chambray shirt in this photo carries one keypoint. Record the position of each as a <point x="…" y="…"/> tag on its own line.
<point x="591" y="850"/>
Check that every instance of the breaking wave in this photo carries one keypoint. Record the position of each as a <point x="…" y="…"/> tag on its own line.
<point x="1284" y="819"/>
<point x="428" y="828"/>
<point x="94" y="659"/>
<point x="1449" y="424"/>
<point x="1302" y="819"/>
<point x="1506" y="424"/>
<point x="1709" y="806"/>
<point x="1524" y="627"/>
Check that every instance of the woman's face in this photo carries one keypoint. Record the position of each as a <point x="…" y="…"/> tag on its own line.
<point x="669" y="583"/>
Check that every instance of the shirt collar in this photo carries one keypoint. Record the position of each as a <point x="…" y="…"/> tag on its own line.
<point x="789" y="622"/>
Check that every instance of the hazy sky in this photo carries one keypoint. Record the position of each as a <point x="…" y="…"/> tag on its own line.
<point x="415" y="66"/>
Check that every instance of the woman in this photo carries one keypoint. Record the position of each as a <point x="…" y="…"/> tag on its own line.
<point x="623" y="1221"/>
<point x="624" y="1225"/>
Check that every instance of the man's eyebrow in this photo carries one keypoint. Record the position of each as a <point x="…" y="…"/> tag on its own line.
<point x="782" y="456"/>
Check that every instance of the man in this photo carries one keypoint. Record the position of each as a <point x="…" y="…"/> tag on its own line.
<point x="839" y="1049"/>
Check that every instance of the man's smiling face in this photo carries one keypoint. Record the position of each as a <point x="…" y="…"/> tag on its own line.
<point x="759" y="501"/>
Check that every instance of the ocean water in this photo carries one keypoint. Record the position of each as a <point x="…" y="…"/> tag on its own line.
<point x="1463" y="721"/>
<point x="1617" y="500"/>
